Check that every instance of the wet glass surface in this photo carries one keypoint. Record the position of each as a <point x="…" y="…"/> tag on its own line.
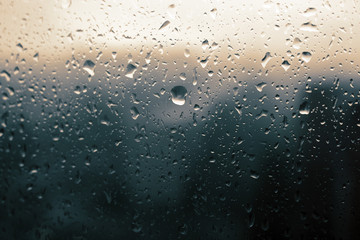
<point x="179" y="119"/>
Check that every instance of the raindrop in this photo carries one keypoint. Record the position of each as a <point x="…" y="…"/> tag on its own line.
<point x="164" y="24"/>
<point x="114" y="54"/>
<point x="260" y="86"/>
<point x="178" y="94"/>
<point x="182" y="76"/>
<point x="310" y="12"/>
<point x="266" y="59"/>
<point x="130" y="70"/>
<point x="306" y="56"/>
<point x="296" y="43"/>
<point x="6" y="75"/>
<point x="205" y="44"/>
<point x="187" y="53"/>
<point x="304" y="108"/>
<point x="171" y="11"/>
<point x="36" y="57"/>
<point x="309" y="27"/>
<point x="183" y="229"/>
<point x="89" y="67"/>
<point x="134" y="113"/>
<point x="285" y="65"/>
<point x="254" y="174"/>
<point x="20" y="47"/>
<point x="213" y="13"/>
<point x="204" y="62"/>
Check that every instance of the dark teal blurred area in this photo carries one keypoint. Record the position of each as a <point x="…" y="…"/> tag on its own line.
<point x="232" y="163"/>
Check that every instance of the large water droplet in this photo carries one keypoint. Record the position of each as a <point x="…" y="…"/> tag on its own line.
<point x="260" y="86"/>
<point x="89" y="67"/>
<point x="204" y="62"/>
<point x="266" y="59"/>
<point x="178" y="94"/>
<point x="205" y="44"/>
<point x="285" y="65"/>
<point x="304" y="108"/>
<point x="5" y="75"/>
<point x="130" y="70"/>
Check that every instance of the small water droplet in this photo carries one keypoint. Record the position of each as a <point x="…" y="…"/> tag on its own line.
<point x="296" y="43"/>
<point x="134" y="113"/>
<point x="20" y="47"/>
<point x="309" y="27"/>
<point x="213" y="13"/>
<point x="183" y="229"/>
<point x="310" y="12"/>
<point x="182" y="76"/>
<point x="306" y="56"/>
<point x="178" y="94"/>
<point x="166" y="23"/>
<point x="187" y="53"/>
<point x="36" y="57"/>
<point x="254" y="174"/>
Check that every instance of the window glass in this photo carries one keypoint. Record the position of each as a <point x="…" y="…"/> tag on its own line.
<point x="179" y="119"/>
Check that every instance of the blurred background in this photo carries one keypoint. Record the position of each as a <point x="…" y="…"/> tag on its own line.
<point x="179" y="119"/>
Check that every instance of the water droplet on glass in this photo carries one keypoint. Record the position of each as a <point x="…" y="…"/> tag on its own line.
<point x="36" y="57"/>
<point x="309" y="27"/>
<point x="254" y="174"/>
<point x="134" y="113"/>
<point x="205" y="44"/>
<point x="89" y="67"/>
<point x="306" y="56"/>
<point x="296" y="43"/>
<point x="213" y="13"/>
<point x="130" y="70"/>
<point x="178" y="94"/>
<point x="304" y="108"/>
<point x="164" y="24"/>
<point x="171" y="11"/>
<point x="285" y="65"/>
<point x="20" y="47"/>
<point x="114" y="54"/>
<point x="187" y="53"/>
<point x="6" y="75"/>
<point x="266" y="59"/>
<point x="310" y="12"/>
<point x="182" y="76"/>
<point x="260" y="86"/>
<point x="204" y="62"/>
<point x="183" y="229"/>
